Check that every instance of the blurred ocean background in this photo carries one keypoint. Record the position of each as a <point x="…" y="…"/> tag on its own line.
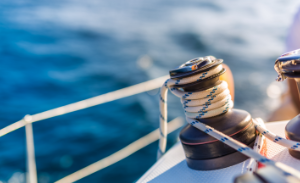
<point x="56" y="52"/>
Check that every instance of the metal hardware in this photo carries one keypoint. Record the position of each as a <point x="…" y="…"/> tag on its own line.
<point x="192" y="65"/>
<point x="288" y="65"/>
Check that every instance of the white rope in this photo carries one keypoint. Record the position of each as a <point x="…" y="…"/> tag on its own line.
<point x="294" y="145"/>
<point x="201" y="101"/>
<point x="242" y="148"/>
<point x="201" y="104"/>
<point x="258" y="145"/>
<point x="214" y="112"/>
<point x="121" y="154"/>
<point x="230" y="141"/>
<point x="111" y="96"/>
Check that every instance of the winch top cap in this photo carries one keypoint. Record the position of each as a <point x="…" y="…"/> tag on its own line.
<point x="291" y="54"/>
<point x="288" y="65"/>
<point x="194" y="66"/>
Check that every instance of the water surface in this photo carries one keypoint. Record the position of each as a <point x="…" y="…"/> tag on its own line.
<point x="53" y="53"/>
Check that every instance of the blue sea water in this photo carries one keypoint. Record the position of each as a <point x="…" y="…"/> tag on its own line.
<point x="53" y="53"/>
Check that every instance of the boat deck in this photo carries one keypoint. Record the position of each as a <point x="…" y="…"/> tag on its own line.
<point x="172" y="166"/>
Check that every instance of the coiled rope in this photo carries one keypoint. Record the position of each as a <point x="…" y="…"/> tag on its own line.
<point x="212" y="102"/>
<point x="197" y="105"/>
<point x="204" y="104"/>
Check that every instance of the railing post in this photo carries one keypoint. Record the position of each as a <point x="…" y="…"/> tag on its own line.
<point x="31" y="166"/>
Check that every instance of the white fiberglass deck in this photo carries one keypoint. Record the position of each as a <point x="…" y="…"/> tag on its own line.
<point x="172" y="166"/>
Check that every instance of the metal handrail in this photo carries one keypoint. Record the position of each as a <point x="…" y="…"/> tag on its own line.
<point x="121" y="154"/>
<point x="108" y="97"/>
<point x="31" y="166"/>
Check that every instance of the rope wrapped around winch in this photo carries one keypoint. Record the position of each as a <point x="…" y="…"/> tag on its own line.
<point x="200" y="104"/>
<point x="212" y="102"/>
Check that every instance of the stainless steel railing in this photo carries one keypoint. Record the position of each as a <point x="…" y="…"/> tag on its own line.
<point x="111" y="96"/>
